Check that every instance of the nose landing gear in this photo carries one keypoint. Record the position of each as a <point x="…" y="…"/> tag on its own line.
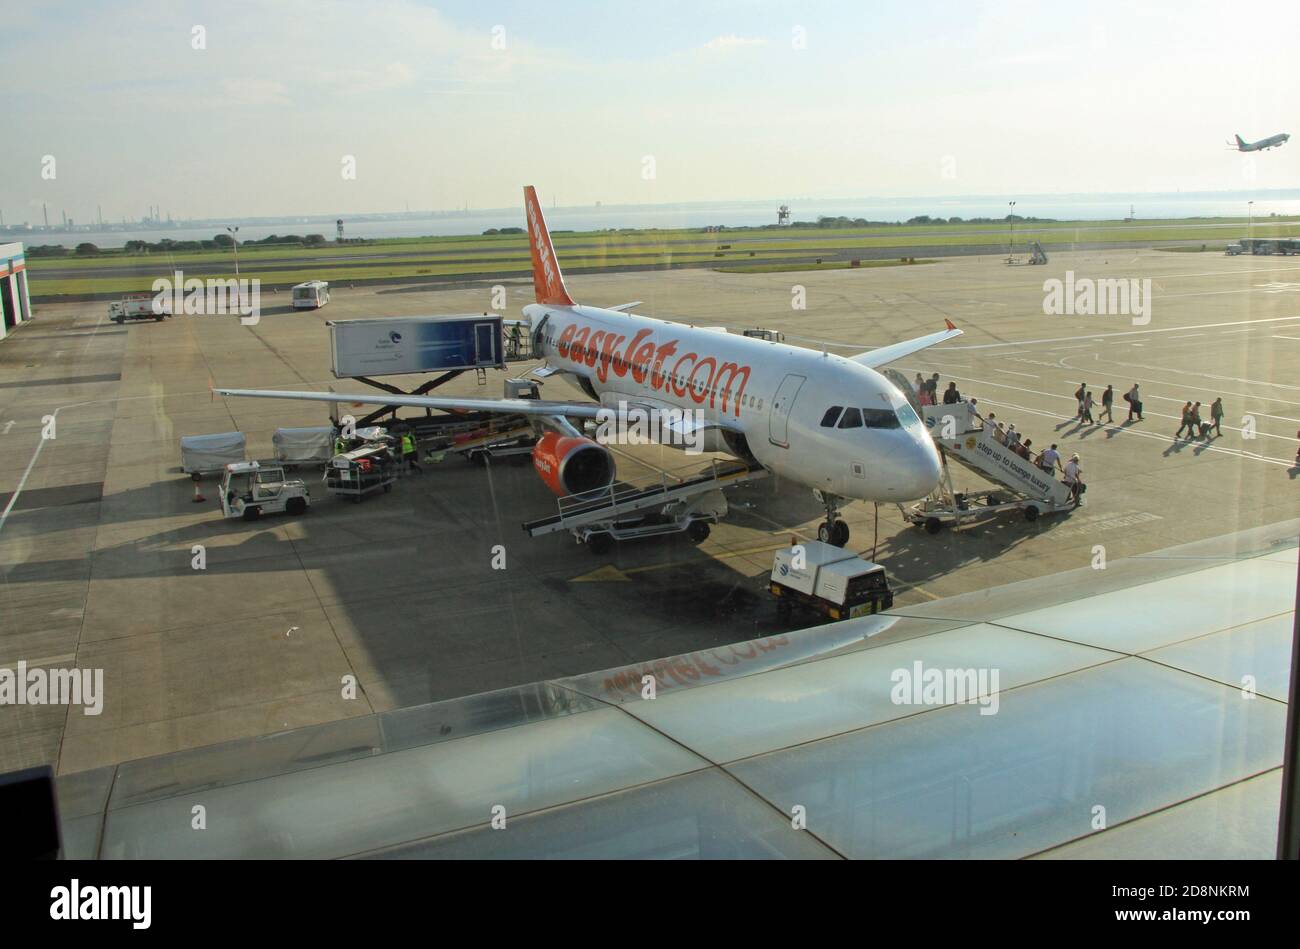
<point x="832" y="531"/>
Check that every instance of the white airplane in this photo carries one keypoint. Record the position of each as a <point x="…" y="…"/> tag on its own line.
<point x="825" y="421"/>
<point x="1264" y="144"/>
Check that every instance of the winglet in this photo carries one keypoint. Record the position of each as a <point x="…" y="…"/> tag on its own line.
<point x="548" y="282"/>
<point x="949" y="324"/>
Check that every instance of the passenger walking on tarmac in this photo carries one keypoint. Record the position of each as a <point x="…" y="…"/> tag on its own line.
<point x="1073" y="480"/>
<point x="1050" y="460"/>
<point x="1079" y="393"/>
<point x="950" y="395"/>
<point x="1195" y="428"/>
<point x="1186" y="420"/>
<point x="1216" y="416"/>
<point x="1134" y="399"/>
<point x="1108" y="403"/>
<point x="1088" y="403"/>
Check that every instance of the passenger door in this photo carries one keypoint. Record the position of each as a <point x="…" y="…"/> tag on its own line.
<point x="778" y="423"/>
<point x="485" y="348"/>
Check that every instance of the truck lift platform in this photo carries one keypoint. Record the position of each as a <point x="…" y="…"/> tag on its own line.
<point x="960" y="438"/>
<point x="625" y="512"/>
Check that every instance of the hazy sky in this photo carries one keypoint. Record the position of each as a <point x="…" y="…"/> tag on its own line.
<point x="922" y="98"/>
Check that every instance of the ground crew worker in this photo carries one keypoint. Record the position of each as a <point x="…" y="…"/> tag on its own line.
<point x="339" y="446"/>
<point x="1186" y="420"/>
<point x="408" y="451"/>
<point x="1108" y="403"/>
<point x="1216" y="415"/>
<point x="514" y="341"/>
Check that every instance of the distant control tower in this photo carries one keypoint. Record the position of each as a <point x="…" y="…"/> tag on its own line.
<point x="783" y="215"/>
<point x="339" y="225"/>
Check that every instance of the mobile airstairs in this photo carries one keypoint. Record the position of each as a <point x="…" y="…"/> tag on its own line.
<point x="959" y="435"/>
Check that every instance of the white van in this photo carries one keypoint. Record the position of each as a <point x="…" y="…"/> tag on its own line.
<point x="311" y="295"/>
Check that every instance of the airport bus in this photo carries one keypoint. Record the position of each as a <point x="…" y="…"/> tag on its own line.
<point x="311" y="295"/>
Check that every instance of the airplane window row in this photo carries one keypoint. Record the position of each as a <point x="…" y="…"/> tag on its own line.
<point x="853" y="417"/>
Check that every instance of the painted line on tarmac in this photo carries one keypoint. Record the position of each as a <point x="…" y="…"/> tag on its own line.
<point x="1120" y="430"/>
<point x="1173" y="418"/>
<point x="1205" y="375"/>
<point x="1097" y="336"/>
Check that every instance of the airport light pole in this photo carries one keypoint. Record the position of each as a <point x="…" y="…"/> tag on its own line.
<point x="234" y="236"/>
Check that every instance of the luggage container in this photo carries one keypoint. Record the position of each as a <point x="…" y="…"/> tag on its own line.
<point x="209" y="454"/>
<point x="354" y="474"/>
<point x="303" y="446"/>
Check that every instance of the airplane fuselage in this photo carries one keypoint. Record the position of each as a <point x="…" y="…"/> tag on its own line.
<point x="1263" y="144"/>
<point x="774" y="395"/>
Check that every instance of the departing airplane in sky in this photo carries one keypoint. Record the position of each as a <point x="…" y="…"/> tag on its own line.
<point x="1263" y="144"/>
<point x="829" y="422"/>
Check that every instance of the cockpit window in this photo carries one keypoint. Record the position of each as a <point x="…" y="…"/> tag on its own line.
<point x="832" y="416"/>
<point x="908" y="416"/>
<point x="852" y="418"/>
<point x="880" y="418"/>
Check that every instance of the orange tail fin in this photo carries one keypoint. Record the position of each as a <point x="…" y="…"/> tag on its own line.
<point x="548" y="282"/>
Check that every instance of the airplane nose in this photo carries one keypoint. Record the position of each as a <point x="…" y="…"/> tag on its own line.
<point x="922" y="471"/>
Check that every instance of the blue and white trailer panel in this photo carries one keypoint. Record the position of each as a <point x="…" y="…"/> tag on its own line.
<point x="415" y="344"/>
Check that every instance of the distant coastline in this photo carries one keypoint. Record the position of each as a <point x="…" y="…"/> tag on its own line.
<point x="1156" y="206"/>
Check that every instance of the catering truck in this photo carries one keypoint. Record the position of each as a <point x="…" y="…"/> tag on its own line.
<point x="828" y="580"/>
<point x="415" y="344"/>
<point x="139" y="306"/>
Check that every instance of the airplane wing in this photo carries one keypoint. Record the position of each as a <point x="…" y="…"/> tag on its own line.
<point x="510" y="406"/>
<point x="887" y="354"/>
<point x="623" y="307"/>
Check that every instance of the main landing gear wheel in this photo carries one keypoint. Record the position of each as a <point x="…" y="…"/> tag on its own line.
<point x="835" y="534"/>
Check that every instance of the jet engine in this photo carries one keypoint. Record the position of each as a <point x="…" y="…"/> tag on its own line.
<point x="571" y="464"/>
